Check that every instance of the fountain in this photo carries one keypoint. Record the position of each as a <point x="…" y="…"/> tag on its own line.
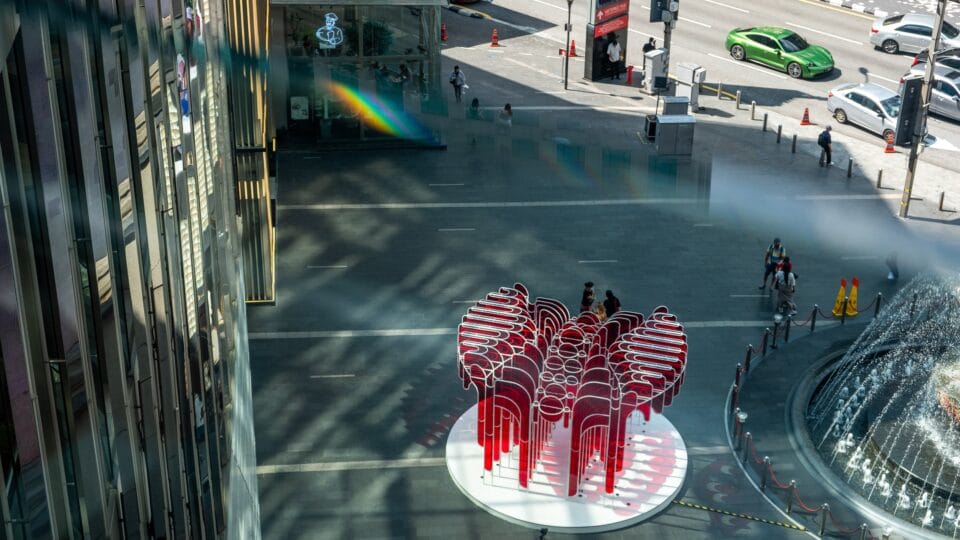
<point x="888" y="411"/>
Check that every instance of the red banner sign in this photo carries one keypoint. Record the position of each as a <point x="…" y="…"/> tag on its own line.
<point x="610" y="26"/>
<point x="610" y="11"/>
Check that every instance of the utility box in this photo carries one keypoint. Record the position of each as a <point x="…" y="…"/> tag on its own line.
<point x="674" y="134"/>
<point x="650" y="127"/>
<point x="690" y="76"/>
<point x="675" y="105"/>
<point x="655" y="70"/>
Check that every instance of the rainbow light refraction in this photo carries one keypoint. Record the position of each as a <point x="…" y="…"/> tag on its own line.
<point x="378" y="114"/>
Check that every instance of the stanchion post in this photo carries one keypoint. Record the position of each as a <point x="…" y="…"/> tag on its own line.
<point x="776" y="330"/>
<point x="764" y="122"/>
<point x="793" y="488"/>
<point x="753" y="110"/>
<point x="849" y="167"/>
<point x="763" y="343"/>
<point x="779" y="132"/>
<point x="747" y="358"/>
<point x="843" y="314"/>
<point x="738" y="100"/>
<point x="942" y="193"/>
<point x="863" y="531"/>
<point x="747" y="439"/>
<point x="813" y="318"/>
<point x="876" y="310"/>
<point x="763" y="477"/>
<point x="823" y="517"/>
<point x="793" y="147"/>
<point x="736" y="380"/>
<point x="879" y="178"/>
<point x="786" y="329"/>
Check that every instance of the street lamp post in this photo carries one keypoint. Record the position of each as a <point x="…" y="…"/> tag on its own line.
<point x="920" y="127"/>
<point x="566" y="61"/>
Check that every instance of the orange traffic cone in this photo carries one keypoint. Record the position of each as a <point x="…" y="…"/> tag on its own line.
<point x="495" y="39"/>
<point x="443" y="32"/>
<point x="805" y="121"/>
<point x="573" y="47"/>
<point x="889" y="149"/>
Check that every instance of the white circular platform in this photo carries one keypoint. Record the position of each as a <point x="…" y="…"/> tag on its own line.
<point x="655" y="466"/>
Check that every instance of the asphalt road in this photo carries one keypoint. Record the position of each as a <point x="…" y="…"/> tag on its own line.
<point x="699" y="38"/>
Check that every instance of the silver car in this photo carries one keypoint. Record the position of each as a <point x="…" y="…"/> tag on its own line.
<point x="910" y="33"/>
<point x="868" y="105"/>
<point x="945" y="94"/>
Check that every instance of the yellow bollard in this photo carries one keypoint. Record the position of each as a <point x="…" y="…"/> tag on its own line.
<point x="838" y="304"/>
<point x="852" y="303"/>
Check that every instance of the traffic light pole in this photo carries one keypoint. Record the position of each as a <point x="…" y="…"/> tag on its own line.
<point x="920" y="127"/>
<point x="566" y="48"/>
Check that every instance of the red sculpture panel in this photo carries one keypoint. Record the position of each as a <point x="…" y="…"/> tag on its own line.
<point x="535" y="367"/>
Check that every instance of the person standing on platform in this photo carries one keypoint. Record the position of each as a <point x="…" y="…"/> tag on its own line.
<point x="613" y="55"/>
<point x="458" y="80"/>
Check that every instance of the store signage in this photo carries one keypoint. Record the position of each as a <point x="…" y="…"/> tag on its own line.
<point x="609" y="11"/>
<point x="610" y="26"/>
<point x="330" y="35"/>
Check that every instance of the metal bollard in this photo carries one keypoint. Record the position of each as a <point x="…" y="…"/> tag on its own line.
<point x="863" y="531"/>
<point x="843" y="315"/>
<point x="746" y="360"/>
<point x="763" y="477"/>
<point x="763" y="343"/>
<point x="779" y="132"/>
<point x="753" y="110"/>
<point x="719" y="90"/>
<point x="786" y="329"/>
<point x="849" y="167"/>
<point x="823" y="517"/>
<point x="941" y="200"/>
<point x="793" y="487"/>
<point x="738" y="100"/>
<point x="735" y="400"/>
<point x="747" y="438"/>
<point x="793" y="148"/>
<point x="879" y="179"/>
<point x="736" y="379"/>
<point x="876" y="310"/>
<point x="764" y="122"/>
<point x="776" y="330"/>
<point x="813" y="319"/>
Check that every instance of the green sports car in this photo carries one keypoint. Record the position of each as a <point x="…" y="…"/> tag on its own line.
<point x="779" y="48"/>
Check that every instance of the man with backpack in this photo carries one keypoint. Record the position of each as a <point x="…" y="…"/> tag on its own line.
<point x="774" y="255"/>
<point x="826" y="144"/>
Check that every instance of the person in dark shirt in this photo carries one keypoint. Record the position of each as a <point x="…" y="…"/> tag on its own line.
<point x="649" y="45"/>
<point x="826" y="143"/>
<point x="586" y="301"/>
<point x="611" y="304"/>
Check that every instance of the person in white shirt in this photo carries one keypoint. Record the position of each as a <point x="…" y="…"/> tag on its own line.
<point x="613" y="55"/>
<point x="786" y="287"/>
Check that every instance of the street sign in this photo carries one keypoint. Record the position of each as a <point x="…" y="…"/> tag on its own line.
<point x="610" y="26"/>
<point x="608" y="10"/>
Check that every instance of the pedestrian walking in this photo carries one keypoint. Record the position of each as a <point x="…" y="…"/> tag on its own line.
<point x="786" y="287"/>
<point x="611" y="304"/>
<point x="613" y="55"/>
<point x="826" y="143"/>
<point x="650" y="45"/>
<point x="771" y="259"/>
<point x="586" y="300"/>
<point x="458" y="80"/>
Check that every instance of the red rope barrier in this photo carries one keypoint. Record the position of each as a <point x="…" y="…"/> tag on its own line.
<point x="753" y="452"/>
<point x="799" y="501"/>
<point x="841" y="528"/>
<point x="773" y="478"/>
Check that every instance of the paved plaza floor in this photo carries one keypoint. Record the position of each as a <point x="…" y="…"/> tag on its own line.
<point x="380" y="253"/>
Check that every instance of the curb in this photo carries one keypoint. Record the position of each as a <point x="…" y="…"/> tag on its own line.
<point x="856" y="6"/>
<point x="467" y="12"/>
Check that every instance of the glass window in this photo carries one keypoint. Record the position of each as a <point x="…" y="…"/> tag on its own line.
<point x="891" y="106"/>
<point x="763" y="40"/>
<point x="793" y="43"/>
<point x="946" y="88"/>
<point x="949" y="30"/>
<point x="856" y="98"/>
<point x="916" y="29"/>
<point x="893" y="20"/>
<point x="322" y="31"/>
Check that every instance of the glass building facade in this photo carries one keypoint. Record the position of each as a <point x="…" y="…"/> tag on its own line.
<point x="336" y="65"/>
<point x="135" y="199"/>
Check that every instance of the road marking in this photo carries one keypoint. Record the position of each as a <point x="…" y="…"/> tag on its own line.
<point x="598" y="261"/>
<point x="338" y="376"/>
<point x="643" y="33"/>
<point x="860" y="258"/>
<point x="444" y="185"/>
<point x="703" y="224"/>
<point x="684" y="19"/>
<point x="337" y="466"/>
<point x="507" y="204"/>
<point x="841" y="10"/>
<point x="874" y="75"/>
<point x="316" y="266"/>
<point x="748" y="66"/>
<point x="749" y="296"/>
<point x="834" y="36"/>
<point x="456" y="229"/>
<point x="563" y="9"/>
<point x="728" y="6"/>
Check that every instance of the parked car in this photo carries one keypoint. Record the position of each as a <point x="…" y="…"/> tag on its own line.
<point x="867" y="105"/>
<point x="910" y="33"/>
<point x="781" y="49"/>
<point x="947" y="57"/>
<point x="945" y="94"/>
